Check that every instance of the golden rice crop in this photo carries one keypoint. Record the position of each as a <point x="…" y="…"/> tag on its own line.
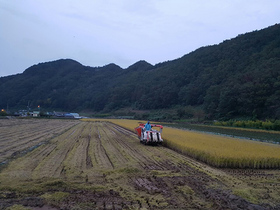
<point x="223" y="151"/>
<point x="216" y="150"/>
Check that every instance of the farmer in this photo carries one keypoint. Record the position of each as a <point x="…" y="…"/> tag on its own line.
<point x="148" y="126"/>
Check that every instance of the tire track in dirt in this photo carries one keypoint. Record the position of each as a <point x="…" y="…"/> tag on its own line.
<point x="88" y="158"/>
<point x="143" y="154"/>
<point x="81" y="154"/>
<point x="76" y="159"/>
<point x="81" y="159"/>
<point x="52" y="165"/>
<point x="100" y="154"/>
<point x="111" y="146"/>
<point x="126" y="142"/>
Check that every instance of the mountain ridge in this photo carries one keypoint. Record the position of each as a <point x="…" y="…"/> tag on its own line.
<point x="238" y="77"/>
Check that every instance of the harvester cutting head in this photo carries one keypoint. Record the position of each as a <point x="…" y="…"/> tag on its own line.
<point x="149" y="136"/>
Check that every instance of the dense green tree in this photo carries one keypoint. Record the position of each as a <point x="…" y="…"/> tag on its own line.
<point x="236" y="78"/>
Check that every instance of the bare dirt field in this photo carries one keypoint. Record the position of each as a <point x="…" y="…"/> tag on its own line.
<point x="99" y="165"/>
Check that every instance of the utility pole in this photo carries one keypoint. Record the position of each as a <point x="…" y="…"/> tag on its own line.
<point x="28" y="106"/>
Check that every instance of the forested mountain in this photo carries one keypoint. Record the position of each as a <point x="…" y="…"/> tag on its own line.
<point x="238" y="77"/>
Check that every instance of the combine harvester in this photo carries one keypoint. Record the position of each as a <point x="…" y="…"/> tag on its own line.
<point x="152" y="137"/>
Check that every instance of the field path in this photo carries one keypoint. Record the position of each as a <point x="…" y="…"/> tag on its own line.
<point x="105" y="166"/>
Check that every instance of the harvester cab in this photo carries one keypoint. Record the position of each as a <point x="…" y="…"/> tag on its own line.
<point x="152" y="136"/>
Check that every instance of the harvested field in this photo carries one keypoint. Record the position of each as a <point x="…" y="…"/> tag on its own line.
<point x="17" y="136"/>
<point x="100" y="165"/>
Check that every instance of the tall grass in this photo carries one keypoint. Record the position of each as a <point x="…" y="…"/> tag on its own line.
<point x="217" y="150"/>
<point x="267" y="125"/>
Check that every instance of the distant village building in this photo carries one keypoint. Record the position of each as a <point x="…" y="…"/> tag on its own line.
<point x="25" y="113"/>
<point x="58" y="114"/>
<point x="66" y="115"/>
<point x="36" y="114"/>
<point x="75" y="115"/>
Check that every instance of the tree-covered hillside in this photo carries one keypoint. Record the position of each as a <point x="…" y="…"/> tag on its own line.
<point x="237" y="78"/>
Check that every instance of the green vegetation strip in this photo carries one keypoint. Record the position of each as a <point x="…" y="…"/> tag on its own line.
<point x="253" y="134"/>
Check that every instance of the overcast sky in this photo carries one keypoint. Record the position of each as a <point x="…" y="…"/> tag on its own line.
<point x="99" y="32"/>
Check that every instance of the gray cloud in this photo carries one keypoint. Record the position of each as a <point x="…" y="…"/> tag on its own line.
<point x="99" y="32"/>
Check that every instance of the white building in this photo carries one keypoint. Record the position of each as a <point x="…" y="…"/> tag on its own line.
<point x="75" y="115"/>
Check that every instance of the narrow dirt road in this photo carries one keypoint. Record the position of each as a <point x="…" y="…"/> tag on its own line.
<point x="101" y="165"/>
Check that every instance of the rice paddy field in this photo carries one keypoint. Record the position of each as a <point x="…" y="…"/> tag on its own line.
<point x="217" y="150"/>
<point x="100" y="164"/>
